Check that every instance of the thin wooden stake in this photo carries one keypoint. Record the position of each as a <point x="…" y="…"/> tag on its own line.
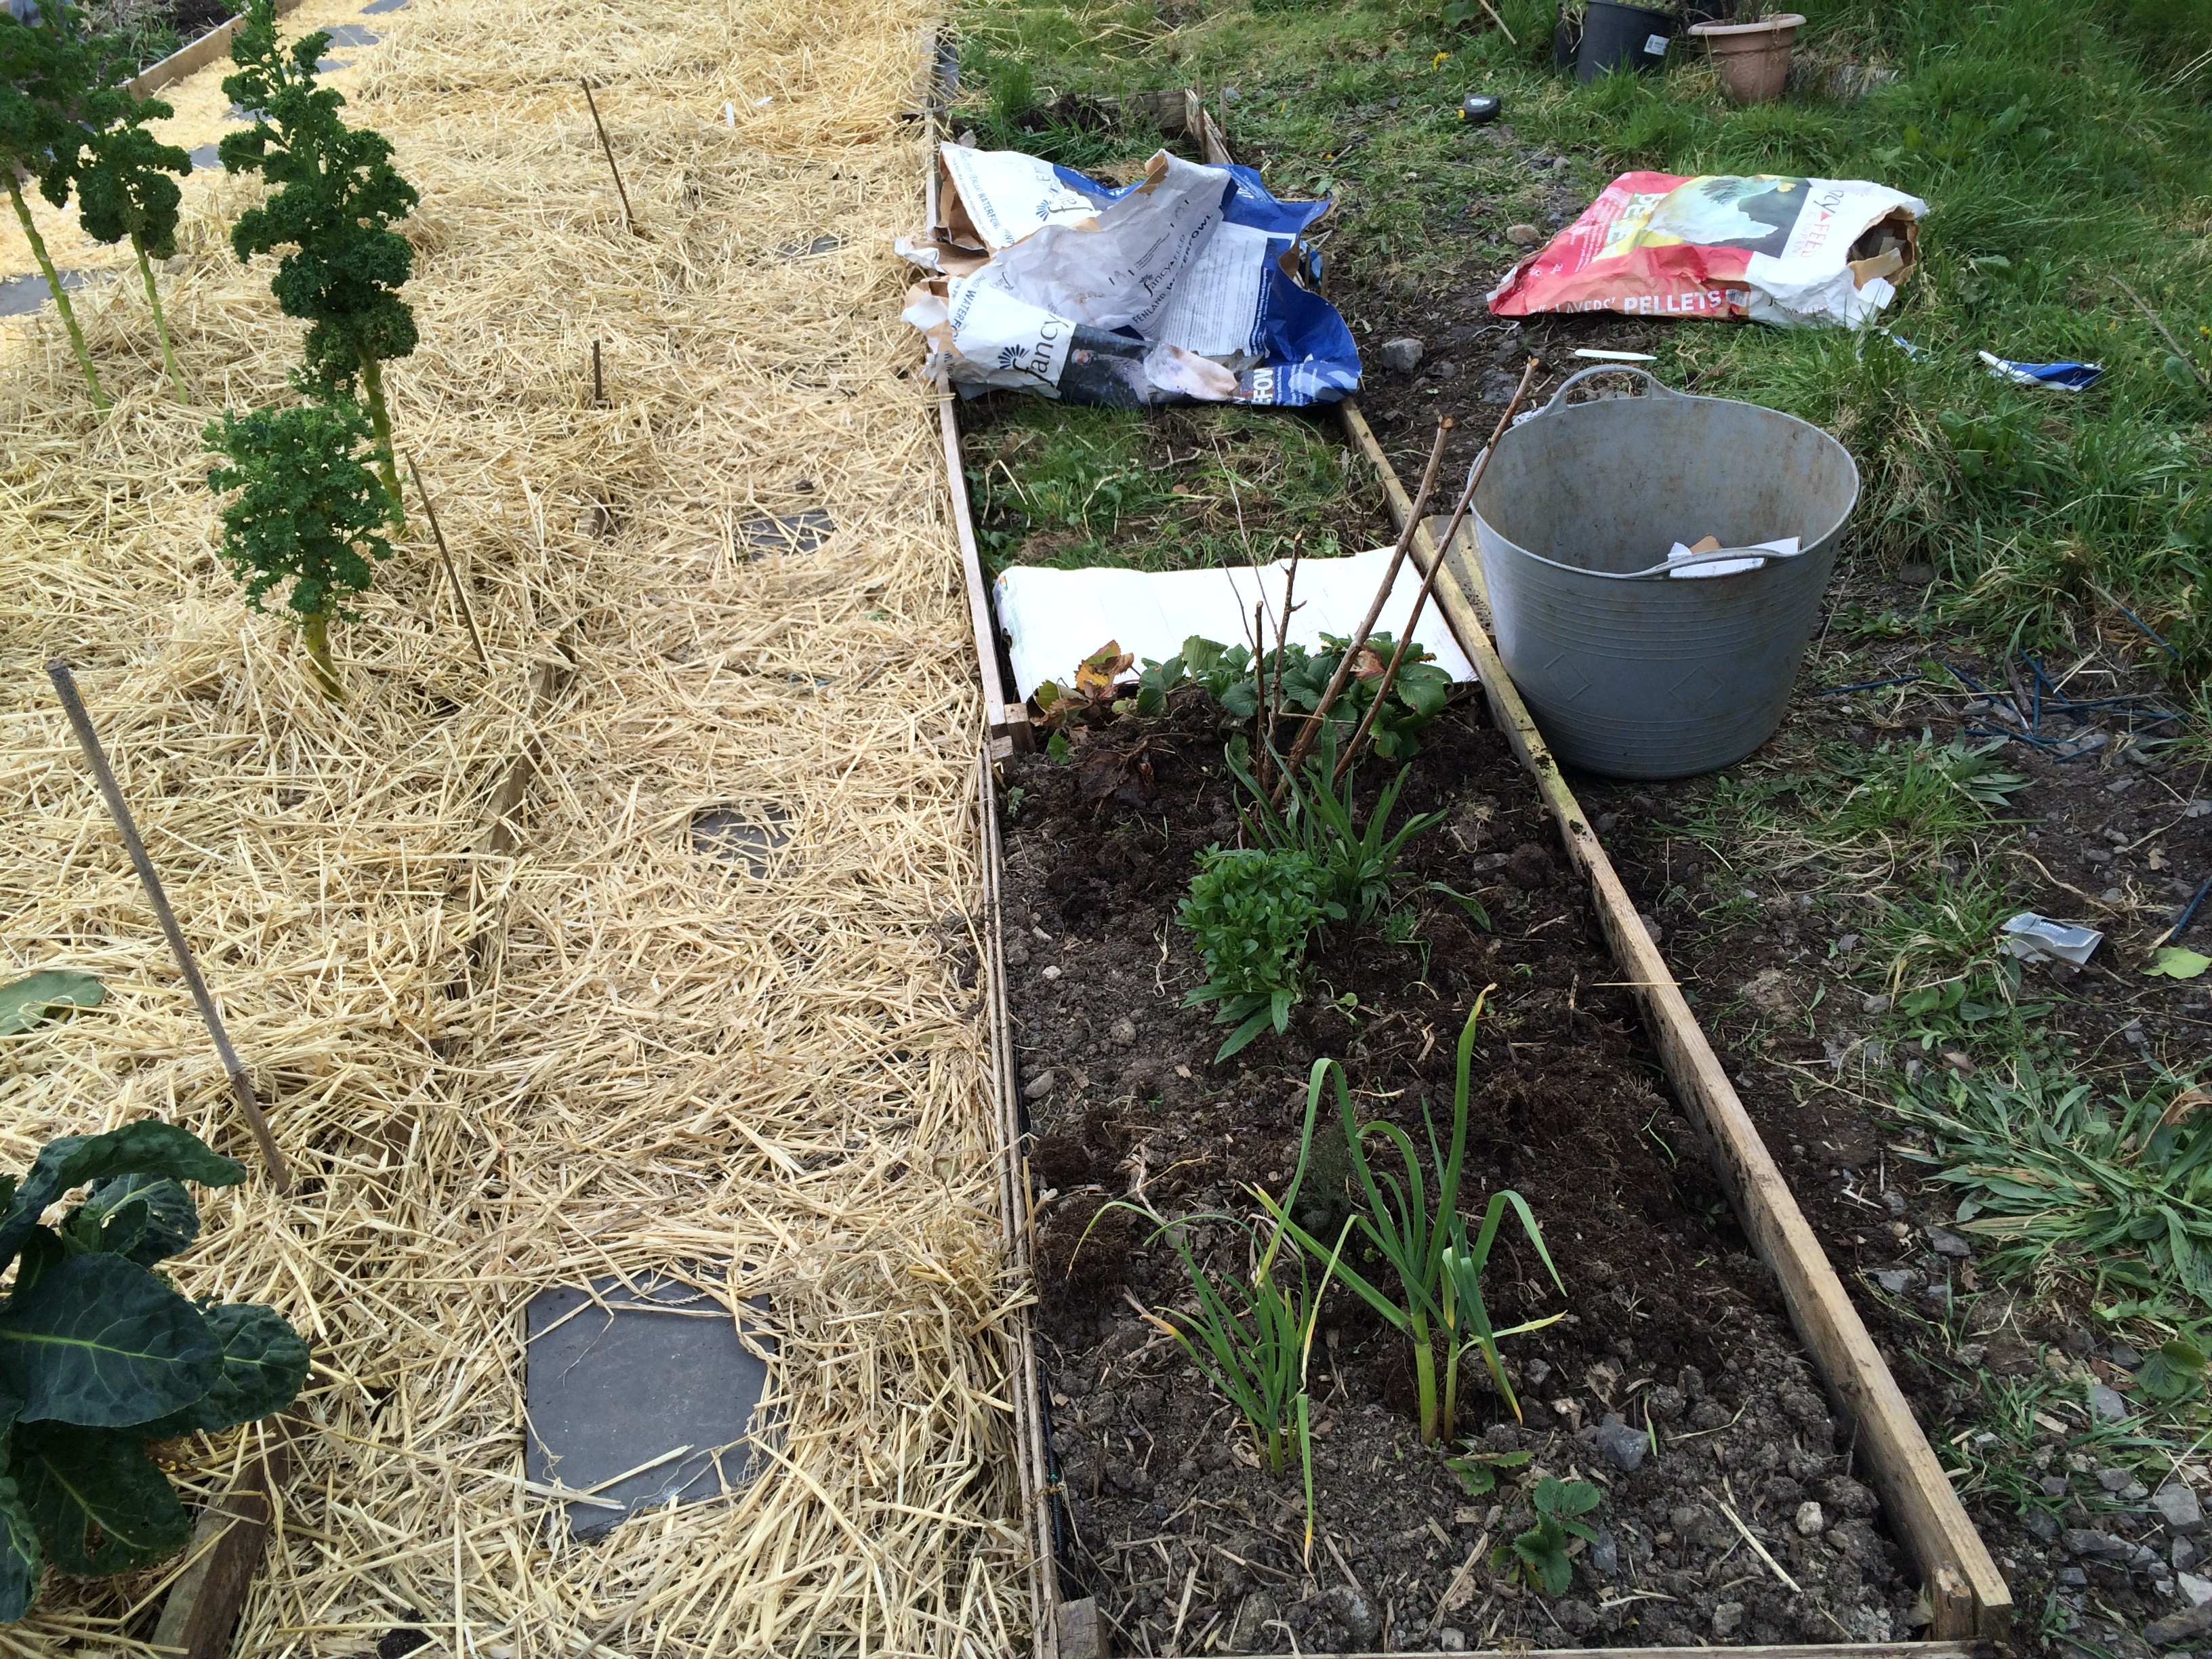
<point x="598" y="385"/>
<point x="460" y="594"/>
<point x="89" y="740"/>
<point x="629" y="217"/>
<point x="1328" y="696"/>
<point x="1421" y="600"/>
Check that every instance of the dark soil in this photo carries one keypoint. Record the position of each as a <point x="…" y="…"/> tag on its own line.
<point x="1672" y="1326"/>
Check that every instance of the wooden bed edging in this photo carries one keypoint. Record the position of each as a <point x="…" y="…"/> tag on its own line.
<point x="225" y="1551"/>
<point x="1966" y="1595"/>
<point x="196" y="55"/>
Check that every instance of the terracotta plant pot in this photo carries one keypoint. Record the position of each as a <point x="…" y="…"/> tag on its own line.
<point x="1752" y="59"/>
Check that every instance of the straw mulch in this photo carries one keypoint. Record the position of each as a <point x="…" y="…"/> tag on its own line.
<point x="601" y="1052"/>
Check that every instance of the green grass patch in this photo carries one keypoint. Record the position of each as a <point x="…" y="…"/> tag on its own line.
<point x="1183" y="489"/>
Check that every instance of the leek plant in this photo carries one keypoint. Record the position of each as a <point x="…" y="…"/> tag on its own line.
<point x="1439" y="1271"/>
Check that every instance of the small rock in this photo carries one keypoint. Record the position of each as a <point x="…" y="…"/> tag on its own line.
<point x="2073" y="1578"/>
<point x="1452" y="1639"/>
<point x="1523" y="236"/>
<point x="1727" y="1615"/>
<point x="1810" y="1522"/>
<point x="1123" y="1033"/>
<point x="1623" y="1446"/>
<point x="2114" y="1479"/>
<point x="1400" y="356"/>
<point x="1052" y="973"/>
<point x="2178" y="1629"/>
<point x="1876" y="1003"/>
<point x="2105" y="1403"/>
<point x="1896" y="1280"/>
<point x="2054" y="1486"/>
<point x="2198" y="1591"/>
<point x="2124" y="1356"/>
<point x="2185" y="1555"/>
<point x="2045" y="1527"/>
<point x="1894" y="1202"/>
<point x="2198" y="808"/>
<point x="967" y="140"/>
<point x="2178" y="1505"/>
<point x="1446" y="370"/>
<point x="2094" y="1545"/>
<point x="1536" y="1370"/>
<point x="1351" y="1609"/>
<point x="1948" y="1244"/>
<point x="1604" y="1556"/>
<point x="1040" y="1085"/>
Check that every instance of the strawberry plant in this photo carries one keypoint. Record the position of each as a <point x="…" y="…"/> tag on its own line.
<point x="308" y="513"/>
<point x="1540" y="1554"/>
<point x="336" y="197"/>
<point x="47" y="71"/>
<point x="99" y="1354"/>
<point x="124" y="189"/>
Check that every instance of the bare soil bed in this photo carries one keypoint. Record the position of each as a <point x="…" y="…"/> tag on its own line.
<point x="1674" y="1335"/>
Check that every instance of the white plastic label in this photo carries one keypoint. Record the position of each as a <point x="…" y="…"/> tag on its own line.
<point x="1655" y="46"/>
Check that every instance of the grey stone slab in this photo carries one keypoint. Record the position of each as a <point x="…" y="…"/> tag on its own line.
<point x="21" y="296"/>
<point x="204" y="158"/>
<point x="239" y="113"/>
<point x="788" y="532"/>
<point x="617" y="1382"/>
<point x="377" y="6"/>
<point x="352" y="34"/>
<point x="742" y="835"/>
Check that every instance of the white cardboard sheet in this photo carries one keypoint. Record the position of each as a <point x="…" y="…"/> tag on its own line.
<point x="1056" y="618"/>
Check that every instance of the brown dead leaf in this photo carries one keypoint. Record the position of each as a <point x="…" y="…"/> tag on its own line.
<point x="2183" y="1106"/>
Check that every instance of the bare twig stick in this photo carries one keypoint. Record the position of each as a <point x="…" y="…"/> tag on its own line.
<point x="1500" y="21"/>
<point x="598" y="384"/>
<point x="1283" y="642"/>
<point x="2165" y="333"/>
<point x="1421" y="600"/>
<point x="460" y="594"/>
<point x="1758" y="1548"/>
<point x="629" y="217"/>
<point x="89" y="740"/>
<point x="1336" y="681"/>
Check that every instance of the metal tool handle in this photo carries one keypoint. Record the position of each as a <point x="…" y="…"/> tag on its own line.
<point x="1659" y="388"/>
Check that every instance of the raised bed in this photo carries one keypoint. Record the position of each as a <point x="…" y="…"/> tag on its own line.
<point x="1568" y="1111"/>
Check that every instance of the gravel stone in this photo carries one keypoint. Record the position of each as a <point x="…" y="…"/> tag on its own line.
<point x="2178" y="1505"/>
<point x="1400" y="356"/>
<point x="1810" y="1522"/>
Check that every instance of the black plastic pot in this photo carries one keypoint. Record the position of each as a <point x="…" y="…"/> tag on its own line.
<point x="1616" y="36"/>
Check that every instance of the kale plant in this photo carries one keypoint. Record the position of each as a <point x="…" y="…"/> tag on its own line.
<point x="124" y="189"/>
<point x="335" y="201"/>
<point x="308" y="513"/>
<point x="99" y="1354"/>
<point x="47" y="71"/>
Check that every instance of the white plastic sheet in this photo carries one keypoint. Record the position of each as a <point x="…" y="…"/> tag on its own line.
<point x="1056" y="618"/>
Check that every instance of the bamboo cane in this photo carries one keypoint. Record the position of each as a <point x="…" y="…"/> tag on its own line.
<point x="117" y="809"/>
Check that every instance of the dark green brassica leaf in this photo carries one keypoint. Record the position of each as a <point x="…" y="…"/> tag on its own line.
<point x="101" y="1506"/>
<point x="148" y="1147"/>
<point x="144" y="1218"/>
<point x="264" y="1365"/>
<point x="22" y="1560"/>
<point x="101" y="1342"/>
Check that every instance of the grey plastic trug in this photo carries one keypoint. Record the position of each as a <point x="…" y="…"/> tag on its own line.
<point x="619" y="1376"/>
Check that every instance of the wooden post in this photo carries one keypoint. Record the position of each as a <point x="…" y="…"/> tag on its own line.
<point x="226" y="1549"/>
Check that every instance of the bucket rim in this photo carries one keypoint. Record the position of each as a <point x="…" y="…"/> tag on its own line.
<point x="1808" y="545"/>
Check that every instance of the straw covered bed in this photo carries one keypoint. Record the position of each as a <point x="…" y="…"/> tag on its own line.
<point x="501" y="1063"/>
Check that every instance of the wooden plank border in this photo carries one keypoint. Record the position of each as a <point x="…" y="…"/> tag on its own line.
<point x="1967" y="1596"/>
<point x="197" y="55"/>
